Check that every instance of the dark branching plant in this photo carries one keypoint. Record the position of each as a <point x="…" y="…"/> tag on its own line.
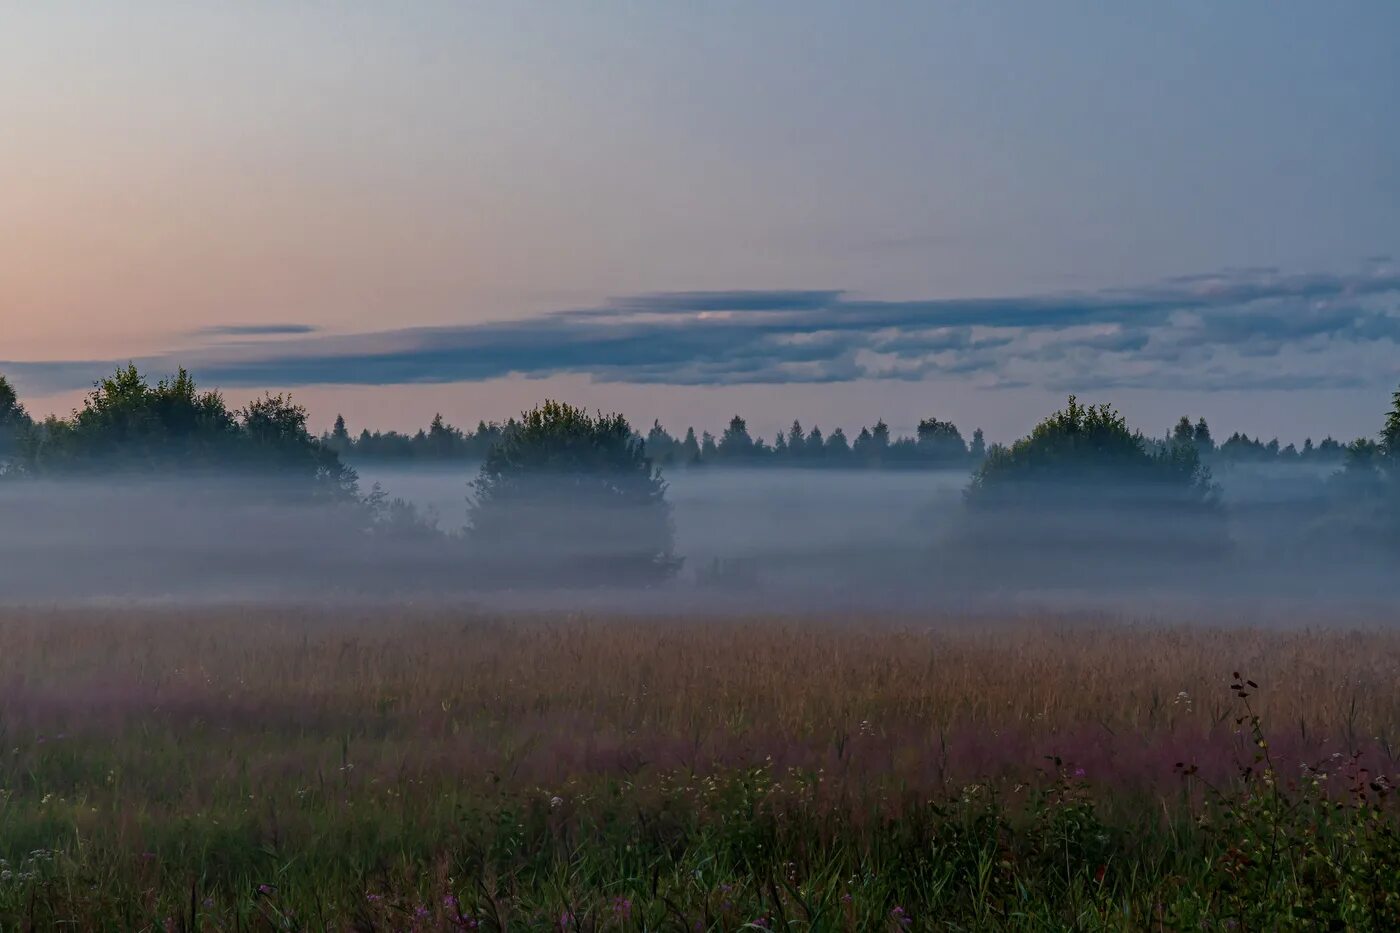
<point x="566" y="494"/>
<point x="1317" y="849"/>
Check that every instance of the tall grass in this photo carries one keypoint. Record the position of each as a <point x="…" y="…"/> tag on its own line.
<point x="438" y="769"/>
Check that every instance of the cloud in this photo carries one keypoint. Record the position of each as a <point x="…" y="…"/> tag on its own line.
<point x="1178" y="333"/>
<point x="255" y="330"/>
<point x="1212" y="382"/>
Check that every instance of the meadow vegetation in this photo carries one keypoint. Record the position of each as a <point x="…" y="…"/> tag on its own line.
<point x="438" y="769"/>
<point x="356" y="764"/>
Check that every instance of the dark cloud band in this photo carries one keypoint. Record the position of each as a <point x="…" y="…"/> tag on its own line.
<point x="1240" y="321"/>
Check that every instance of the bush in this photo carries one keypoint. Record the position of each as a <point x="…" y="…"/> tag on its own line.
<point x="569" y="495"/>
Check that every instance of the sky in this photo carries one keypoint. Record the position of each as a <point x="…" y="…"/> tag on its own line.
<point x="830" y="211"/>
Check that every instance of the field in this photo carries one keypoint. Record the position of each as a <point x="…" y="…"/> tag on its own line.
<point x="435" y="768"/>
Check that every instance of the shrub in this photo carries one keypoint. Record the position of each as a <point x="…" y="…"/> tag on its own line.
<point x="572" y="495"/>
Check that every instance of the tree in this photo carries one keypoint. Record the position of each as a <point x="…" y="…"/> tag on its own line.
<point x="1201" y="436"/>
<point x="128" y="425"/>
<point x="661" y="446"/>
<point x="1085" y="445"/>
<point x="861" y="449"/>
<point x="1082" y="481"/>
<point x="569" y="495"/>
<point x="1390" y="433"/>
<point x="14" y="420"/>
<point x="1372" y="468"/>
<point x="978" y="450"/>
<point x="838" y="449"/>
<point x="735" y="443"/>
<point x="274" y="440"/>
<point x="339" y="439"/>
<point x="1365" y="513"/>
<point x="796" y="441"/>
<point x="1183" y="433"/>
<point x="940" y="441"/>
<point x="690" y="447"/>
<point x="12" y="413"/>
<point x="880" y="439"/>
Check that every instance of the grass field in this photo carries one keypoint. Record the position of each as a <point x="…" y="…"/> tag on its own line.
<point x="436" y="769"/>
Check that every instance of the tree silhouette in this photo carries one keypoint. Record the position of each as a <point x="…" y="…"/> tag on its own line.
<point x="14" y="420"/>
<point x="661" y="446"/>
<point x="879" y="442"/>
<point x="1082" y="481"/>
<point x="339" y="439"/>
<point x="690" y="447"/>
<point x="128" y="425"/>
<point x="940" y="441"/>
<point x="796" y="441"/>
<point x="735" y="443"/>
<point x="1390" y="433"/>
<point x="1183" y="433"/>
<point x="273" y="441"/>
<point x="569" y="495"/>
<point x="1201" y="436"/>
<point x="1087" y="446"/>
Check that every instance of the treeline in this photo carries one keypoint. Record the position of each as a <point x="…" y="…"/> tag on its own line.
<point x="1241" y="448"/>
<point x="440" y="442"/>
<point x="109" y="421"/>
<point x="128" y="425"/>
<point x="935" y="444"/>
<point x="573" y="493"/>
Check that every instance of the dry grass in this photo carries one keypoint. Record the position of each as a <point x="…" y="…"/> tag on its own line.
<point x="557" y="695"/>
<point x="291" y="769"/>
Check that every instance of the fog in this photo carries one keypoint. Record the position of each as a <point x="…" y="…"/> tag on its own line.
<point x="758" y="539"/>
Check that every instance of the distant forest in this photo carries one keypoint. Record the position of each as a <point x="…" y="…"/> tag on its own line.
<point x="936" y="444"/>
<point x="564" y="495"/>
<point x="233" y="436"/>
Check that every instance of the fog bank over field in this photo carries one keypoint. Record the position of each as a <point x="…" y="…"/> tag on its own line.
<point x="786" y="532"/>
<point x="770" y="539"/>
<point x="164" y="491"/>
<point x="771" y="516"/>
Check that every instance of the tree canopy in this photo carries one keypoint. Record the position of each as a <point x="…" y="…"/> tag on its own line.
<point x="1083" y="485"/>
<point x="14" y="420"/>
<point x="1090" y="449"/>
<point x="569" y="492"/>
<point x="128" y="425"/>
<point x="1390" y="433"/>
